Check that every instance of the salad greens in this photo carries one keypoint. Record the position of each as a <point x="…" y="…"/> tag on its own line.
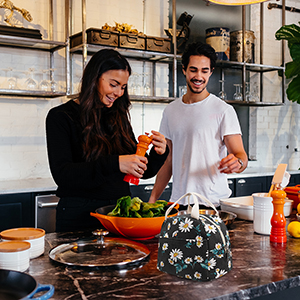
<point x="136" y="208"/>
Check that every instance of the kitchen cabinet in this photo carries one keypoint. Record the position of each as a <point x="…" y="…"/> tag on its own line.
<point x="143" y="191"/>
<point x="19" y="209"/>
<point x="248" y="185"/>
<point x="49" y="47"/>
<point x="16" y="210"/>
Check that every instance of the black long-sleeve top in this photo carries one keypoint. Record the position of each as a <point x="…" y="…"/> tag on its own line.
<point x="100" y="179"/>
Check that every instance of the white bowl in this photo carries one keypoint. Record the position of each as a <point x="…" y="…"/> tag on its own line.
<point x="243" y="206"/>
<point x="35" y="236"/>
<point x="15" y="255"/>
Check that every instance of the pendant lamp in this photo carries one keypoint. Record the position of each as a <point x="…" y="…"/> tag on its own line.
<point x="235" y="2"/>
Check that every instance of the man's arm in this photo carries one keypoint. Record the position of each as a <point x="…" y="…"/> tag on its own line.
<point x="163" y="176"/>
<point x="237" y="159"/>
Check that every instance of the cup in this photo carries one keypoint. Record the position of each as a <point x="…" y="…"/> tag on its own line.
<point x="262" y="213"/>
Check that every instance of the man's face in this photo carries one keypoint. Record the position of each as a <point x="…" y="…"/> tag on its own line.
<point x="197" y="73"/>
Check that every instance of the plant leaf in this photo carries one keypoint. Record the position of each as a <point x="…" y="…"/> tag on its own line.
<point x="293" y="90"/>
<point x="295" y="51"/>
<point x="292" y="69"/>
<point x="291" y="33"/>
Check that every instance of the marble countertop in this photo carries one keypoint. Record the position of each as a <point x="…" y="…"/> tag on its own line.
<point x="27" y="185"/>
<point x="259" y="268"/>
<point x="48" y="184"/>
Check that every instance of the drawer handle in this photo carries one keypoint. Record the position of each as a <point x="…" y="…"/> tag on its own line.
<point x="105" y="36"/>
<point x="158" y="42"/>
<point x="52" y="204"/>
<point x="242" y="181"/>
<point x="150" y="187"/>
<point x="230" y="182"/>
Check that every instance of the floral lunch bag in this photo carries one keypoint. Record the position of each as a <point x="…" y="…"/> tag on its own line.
<point x="194" y="246"/>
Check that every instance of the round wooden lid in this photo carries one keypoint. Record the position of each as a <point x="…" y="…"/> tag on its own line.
<point x="22" y="233"/>
<point x="14" y="246"/>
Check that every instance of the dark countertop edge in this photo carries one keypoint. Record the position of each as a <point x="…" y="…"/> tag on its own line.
<point x="262" y="290"/>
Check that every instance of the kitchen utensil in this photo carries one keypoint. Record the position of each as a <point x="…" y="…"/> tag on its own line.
<point x="14" y="255"/>
<point x="17" y="285"/>
<point x="243" y="207"/>
<point x="278" y="221"/>
<point x="278" y="177"/>
<point x="226" y="216"/>
<point x="134" y="228"/>
<point x="35" y="236"/>
<point x="142" y="147"/>
<point x="103" y="252"/>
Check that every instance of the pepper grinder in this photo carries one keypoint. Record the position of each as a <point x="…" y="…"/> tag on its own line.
<point x="142" y="147"/>
<point x="278" y="222"/>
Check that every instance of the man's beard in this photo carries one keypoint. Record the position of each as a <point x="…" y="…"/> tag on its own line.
<point x="195" y="92"/>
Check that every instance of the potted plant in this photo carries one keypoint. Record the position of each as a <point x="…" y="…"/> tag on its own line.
<point x="291" y="33"/>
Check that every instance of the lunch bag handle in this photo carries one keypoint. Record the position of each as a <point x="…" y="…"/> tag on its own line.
<point x="195" y="209"/>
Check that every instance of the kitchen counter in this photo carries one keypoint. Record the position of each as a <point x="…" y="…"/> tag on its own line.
<point x="48" y="184"/>
<point x="259" y="268"/>
<point x="27" y="185"/>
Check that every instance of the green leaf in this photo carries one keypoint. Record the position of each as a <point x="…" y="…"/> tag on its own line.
<point x="292" y="69"/>
<point x="293" y="90"/>
<point x="124" y="206"/>
<point x="295" y="51"/>
<point x="135" y="204"/>
<point x="291" y="33"/>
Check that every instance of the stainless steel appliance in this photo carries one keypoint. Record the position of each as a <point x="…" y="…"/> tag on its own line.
<point x="45" y="212"/>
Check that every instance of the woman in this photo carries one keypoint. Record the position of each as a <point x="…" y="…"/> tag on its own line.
<point x="91" y="145"/>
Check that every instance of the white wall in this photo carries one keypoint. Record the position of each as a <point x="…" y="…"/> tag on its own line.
<point x="274" y="131"/>
<point x="22" y="131"/>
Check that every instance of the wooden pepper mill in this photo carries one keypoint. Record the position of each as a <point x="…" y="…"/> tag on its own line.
<point x="278" y="222"/>
<point x="142" y="147"/>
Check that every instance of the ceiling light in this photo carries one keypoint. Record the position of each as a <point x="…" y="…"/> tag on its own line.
<point x="235" y="2"/>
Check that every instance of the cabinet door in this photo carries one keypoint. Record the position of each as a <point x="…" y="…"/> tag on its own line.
<point x="294" y="180"/>
<point x="16" y="210"/>
<point x="231" y="184"/>
<point x="143" y="191"/>
<point x="248" y="186"/>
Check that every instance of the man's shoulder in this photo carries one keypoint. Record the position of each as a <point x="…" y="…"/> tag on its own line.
<point x="174" y="104"/>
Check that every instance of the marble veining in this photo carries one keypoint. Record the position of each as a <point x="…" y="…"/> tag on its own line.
<point x="259" y="268"/>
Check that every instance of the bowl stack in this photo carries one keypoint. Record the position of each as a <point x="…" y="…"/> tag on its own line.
<point x="35" y="236"/>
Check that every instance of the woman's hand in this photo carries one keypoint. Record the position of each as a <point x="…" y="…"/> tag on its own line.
<point x="159" y="142"/>
<point x="133" y="164"/>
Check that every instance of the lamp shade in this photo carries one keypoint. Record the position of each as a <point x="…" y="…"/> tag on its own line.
<point x="236" y="2"/>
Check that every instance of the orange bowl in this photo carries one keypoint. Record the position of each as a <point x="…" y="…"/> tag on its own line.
<point x="132" y="228"/>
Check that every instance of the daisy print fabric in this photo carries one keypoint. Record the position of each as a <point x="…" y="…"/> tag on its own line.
<point x="194" y="249"/>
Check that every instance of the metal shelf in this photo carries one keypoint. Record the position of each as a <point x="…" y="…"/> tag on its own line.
<point x="157" y="99"/>
<point x="30" y="94"/>
<point x="29" y="43"/>
<point x="258" y="104"/>
<point x="249" y="66"/>
<point x="129" y="53"/>
<point x="137" y="98"/>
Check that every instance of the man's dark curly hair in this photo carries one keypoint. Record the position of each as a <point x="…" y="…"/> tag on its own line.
<point x="199" y="48"/>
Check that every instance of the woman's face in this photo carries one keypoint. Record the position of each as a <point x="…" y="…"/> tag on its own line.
<point x="112" y="85"/>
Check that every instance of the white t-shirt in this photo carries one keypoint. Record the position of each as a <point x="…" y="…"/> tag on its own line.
<point x="197" y="133"/>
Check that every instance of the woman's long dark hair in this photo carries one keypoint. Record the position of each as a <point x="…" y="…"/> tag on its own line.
<point x="105" y="130"/>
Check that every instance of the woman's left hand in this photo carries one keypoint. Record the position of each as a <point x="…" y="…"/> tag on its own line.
<point x="159" y="142"/>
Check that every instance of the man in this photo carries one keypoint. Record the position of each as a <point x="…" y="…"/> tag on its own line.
<point x="203" y="134"/>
